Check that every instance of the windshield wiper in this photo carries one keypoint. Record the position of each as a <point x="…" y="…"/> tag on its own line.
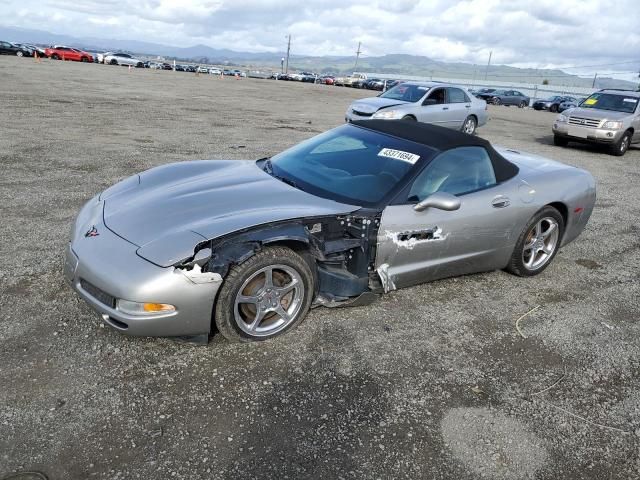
<point x="268" y="168"/>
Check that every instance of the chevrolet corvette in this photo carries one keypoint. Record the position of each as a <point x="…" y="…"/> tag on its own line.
<point x="248" y="247"/>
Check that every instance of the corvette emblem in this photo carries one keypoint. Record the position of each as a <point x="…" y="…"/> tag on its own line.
<point x="92" y="232"/>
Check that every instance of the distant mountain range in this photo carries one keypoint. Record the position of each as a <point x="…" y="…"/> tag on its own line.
<point x="393" y="64"/>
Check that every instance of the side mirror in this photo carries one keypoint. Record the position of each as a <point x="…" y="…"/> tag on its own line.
<point x="439" y="200"/>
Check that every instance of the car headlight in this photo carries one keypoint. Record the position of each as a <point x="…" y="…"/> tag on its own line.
<point x="386" y="114"/>
<point x="562" y="118"/>
<point x="143" y="309"/>
<point x="612" y="125"/>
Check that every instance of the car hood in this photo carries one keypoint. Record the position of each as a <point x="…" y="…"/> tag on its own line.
<point x="167" y="211"/>
<point x="373" y="104"/>
<point x="599" y="114"/>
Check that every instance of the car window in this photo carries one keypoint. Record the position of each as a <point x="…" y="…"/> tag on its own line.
<point x="457" y="171"/>
<point x="457" y="96"/>
<point x="4" y="44"/>
<point x="518" y="94"/>
<point x="437" y="97"/>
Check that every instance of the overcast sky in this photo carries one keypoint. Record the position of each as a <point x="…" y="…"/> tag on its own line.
<point x="537" y="33"/>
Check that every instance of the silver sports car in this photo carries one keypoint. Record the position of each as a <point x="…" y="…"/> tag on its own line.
<point x="362" y="209"/>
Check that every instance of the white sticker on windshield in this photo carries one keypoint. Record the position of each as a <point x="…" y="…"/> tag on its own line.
<point x="399" y="155"/>
<point x="632" y="100"/>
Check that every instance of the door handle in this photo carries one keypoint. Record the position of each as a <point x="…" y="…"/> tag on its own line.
<point x="467" y="106"/>
<point x="500" y="202"/>
<point x="445" y="108"/>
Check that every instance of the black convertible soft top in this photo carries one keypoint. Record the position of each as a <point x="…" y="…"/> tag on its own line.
<point x="441" y="139"/>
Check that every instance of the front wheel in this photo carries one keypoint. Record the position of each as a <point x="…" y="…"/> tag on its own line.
<point x="538" y="243"/>
<point x="55" y="57"/>
<point x="553" y="108"/>
<point x="409" y="118"/>
<point x="19" y="53"/>
<point x="264" y="296"/>
<point x="523" y="104"/>
<point x="113" y="61"/>
<point x="469" y="125"/>
<point x="620" y="147"/>
<point x="495" y="101"/>
<point x="84" y="60"/>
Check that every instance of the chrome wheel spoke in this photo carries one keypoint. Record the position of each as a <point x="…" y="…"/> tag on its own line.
<point x="282" y="291"/>
<point x="257" y="319"/>
<point x="252" y="299"/>
<point x="539" y="229"/>
<point x="532" y="258"/>
<point x="550" y="230"/>
<point x="283" y="313"/>
<point x="268" y="278"/>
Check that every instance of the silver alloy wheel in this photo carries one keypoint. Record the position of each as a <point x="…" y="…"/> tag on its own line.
<point x="624" y="144"/>
<point x="540" y="244"/>
<point x="469" y="126"/>
<point x="496" y="101"/>
<point x="19" y="53"/>
<point x="269" y="300"/>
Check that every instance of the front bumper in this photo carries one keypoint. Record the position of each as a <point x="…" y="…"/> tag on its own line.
<point x="106" y="267"/>
<point x="586" y="134"/>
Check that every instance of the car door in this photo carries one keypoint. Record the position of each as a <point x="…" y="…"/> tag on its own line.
<point x="459" y="106"/>
<point x="415" y="247"/>
<point x="434" y="108"/>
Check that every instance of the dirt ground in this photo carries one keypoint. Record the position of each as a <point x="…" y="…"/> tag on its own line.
<point x="429" y="382"/>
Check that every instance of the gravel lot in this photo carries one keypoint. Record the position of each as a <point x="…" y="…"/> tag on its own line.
<point x="429" y="382"/>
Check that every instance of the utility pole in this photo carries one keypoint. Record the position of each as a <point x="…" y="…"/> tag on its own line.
<point x="358" y="52"/>
<point x="286" y="68"/>
<point x="593" y="85"/>
<point x="486" y="71"/>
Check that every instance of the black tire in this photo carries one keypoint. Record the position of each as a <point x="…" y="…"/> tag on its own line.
<point x="620" y="147"/>
<point x="559" y="141"/>
<point x="55" y="56"/>
<point x="496" y="101"/>
<point x="225" y="312"/>
<point x="113" y="62"/>
<point x="553" y="108"/>
<point x="469" y="125"/>
<point x="410" y="118"/>
<point x="516" y="263"/>
<point x="523" y="104"/>
<point x="84" y="60"/>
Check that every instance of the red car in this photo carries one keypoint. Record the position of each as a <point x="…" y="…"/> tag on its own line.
<point x="67" y="53"/>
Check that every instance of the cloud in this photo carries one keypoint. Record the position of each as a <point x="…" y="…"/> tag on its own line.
<point x="518" y="32"/>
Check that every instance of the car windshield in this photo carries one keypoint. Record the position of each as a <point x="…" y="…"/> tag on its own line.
<point x="406" y="92"/>
<point x="348" y="164"/>
<point x="610" y="101"/>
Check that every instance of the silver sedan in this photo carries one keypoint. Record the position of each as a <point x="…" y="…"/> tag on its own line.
<point x="429" y="102"/>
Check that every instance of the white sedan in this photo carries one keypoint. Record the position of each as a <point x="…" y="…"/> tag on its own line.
<point x="122" y="59"/>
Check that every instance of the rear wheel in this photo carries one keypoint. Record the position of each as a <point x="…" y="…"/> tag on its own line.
<point x="264" y="296"/>
<point x="538" y="243"/>
<point x="553" y="108"/>
<point x="560" y="141"/>
<point x="620" y="147"/>
<point x="523" y="104"/>
<point x="469" y="125"/>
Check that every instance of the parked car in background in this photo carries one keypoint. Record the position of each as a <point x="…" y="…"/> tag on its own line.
<point x="33" y="48"/>
<point x="8" y="48"/>
<point x="123" y="59"/>
<point x="166" y="66"/>
<point x="552" y="104"/>
<point x="60" y="52"/>
<point x="327" y="79"/>
<point x="429" y="102"/>
<point x="348" y="80"/>
<point x="215" y="71"/>
<point x="100" y="56"/>
<point x="374" y="84"/>
<point x="505" y="97"/>
<point x="610" y="117"/>
<point x="308" y="77"/>
<point x="201" y="69"/>
<point x="567" y="104"/>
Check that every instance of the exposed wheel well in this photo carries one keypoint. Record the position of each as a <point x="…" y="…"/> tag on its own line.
<point x="410" y="116"/>
<point x="562" y="208"/>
